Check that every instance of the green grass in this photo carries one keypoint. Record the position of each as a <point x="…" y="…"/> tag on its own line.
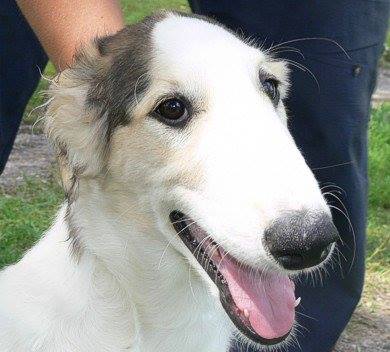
<point x="24" y="215"/>
<point x="27" y="212"/>
<point x="136" y="10"/>
<point x="379" y="155"/>
<point x="378" y="246"/>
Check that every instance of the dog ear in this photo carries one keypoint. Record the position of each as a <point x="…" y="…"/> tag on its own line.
<point x="74" y="128"/>
<point x="91" y="99"/>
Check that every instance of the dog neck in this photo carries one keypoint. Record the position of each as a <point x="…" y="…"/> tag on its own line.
<point x="170" y="300"/>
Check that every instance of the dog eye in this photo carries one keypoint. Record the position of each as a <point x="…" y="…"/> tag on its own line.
<point x="172" y="112"/>
<point x="270" y="87"/>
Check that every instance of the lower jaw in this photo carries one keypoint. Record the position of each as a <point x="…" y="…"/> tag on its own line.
<point x="250" y="334"/>
<point x="241" y="323"/>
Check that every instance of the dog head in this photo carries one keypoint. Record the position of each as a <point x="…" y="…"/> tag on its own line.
<point x="188" y="119"/>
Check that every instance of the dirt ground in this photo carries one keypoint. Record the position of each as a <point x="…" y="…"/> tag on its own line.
<point x="366" y="332"/>
<point x="369" y="329"/>
<point x="31" y="156"/>
<point x="382" y="92"/>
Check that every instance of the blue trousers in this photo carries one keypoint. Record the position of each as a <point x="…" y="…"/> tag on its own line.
<point x="328" y="116"/>
<point x="21" y="61"/>
<point x="328" y="119"/>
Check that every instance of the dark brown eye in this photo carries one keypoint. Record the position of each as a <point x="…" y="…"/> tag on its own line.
<point x="270" y="87"/>
<point x="172" y="111"/>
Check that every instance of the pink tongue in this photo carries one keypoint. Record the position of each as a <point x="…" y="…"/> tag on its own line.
<point x="268" y="299"/>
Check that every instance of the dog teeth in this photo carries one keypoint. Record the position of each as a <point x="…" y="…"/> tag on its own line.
<point x="246" y="313"/>
<point x="297" y="301"/>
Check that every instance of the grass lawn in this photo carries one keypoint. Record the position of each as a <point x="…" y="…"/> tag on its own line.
<point x="24" y="215"/>
<point x="28" y="211"/>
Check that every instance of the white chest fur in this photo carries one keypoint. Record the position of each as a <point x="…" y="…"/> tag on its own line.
<point x="49" y="302"/>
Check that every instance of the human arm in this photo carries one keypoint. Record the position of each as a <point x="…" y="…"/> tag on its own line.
<point x="62" y="26"/>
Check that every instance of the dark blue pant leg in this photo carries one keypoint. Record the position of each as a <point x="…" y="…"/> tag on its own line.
<point x="329" y="124"/>
<point x="21" y="59"/>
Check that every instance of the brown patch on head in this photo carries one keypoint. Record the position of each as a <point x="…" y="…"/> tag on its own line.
<point x="123" y="74"/>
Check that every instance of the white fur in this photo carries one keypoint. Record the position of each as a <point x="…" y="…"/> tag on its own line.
<point x="234" y="169"/>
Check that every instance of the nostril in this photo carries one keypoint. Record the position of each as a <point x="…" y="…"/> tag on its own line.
<point x="290" y="261"/>
<point x="302" y="259"/>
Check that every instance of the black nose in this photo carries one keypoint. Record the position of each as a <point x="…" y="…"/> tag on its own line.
<point x="301" y="239"/>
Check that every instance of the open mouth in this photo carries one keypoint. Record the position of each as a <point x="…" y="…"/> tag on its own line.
<point x="260" y="304"/>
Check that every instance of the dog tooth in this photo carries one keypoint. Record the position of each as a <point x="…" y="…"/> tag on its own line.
<point x="297" y="301"/>
<point x="246" y="313"/>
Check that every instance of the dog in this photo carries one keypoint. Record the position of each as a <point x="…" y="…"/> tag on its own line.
<point x="189" y="209"/>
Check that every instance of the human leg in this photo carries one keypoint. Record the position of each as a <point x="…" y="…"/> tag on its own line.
<point x="21" y="60"/>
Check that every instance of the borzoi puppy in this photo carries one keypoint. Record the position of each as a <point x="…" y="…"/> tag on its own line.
<point x="189" y="206"/>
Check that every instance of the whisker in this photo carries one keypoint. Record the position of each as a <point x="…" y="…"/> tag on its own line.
<point x="346" y="215"/>
<point x="189" y="281"/>
<point x="306" y="316"/>
<point x="340" y="190"/>
<point x="300" y="325"/>
<point x="343" y="206"/>
<point x="283" y="49"/>
<point x="199" y="247"/>
<point x="181" y="220"/>
<point x="304" y="69"/>
<point x="332" y="166"/>
<point x="314" y="38"/>
<point x="338" y="252"/>
<point x="169" y="243"/>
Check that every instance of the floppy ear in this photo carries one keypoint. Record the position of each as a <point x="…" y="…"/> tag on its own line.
<point x="74" y="128"/>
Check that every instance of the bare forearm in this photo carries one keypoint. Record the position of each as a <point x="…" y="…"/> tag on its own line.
<point x="63" y="25"/>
